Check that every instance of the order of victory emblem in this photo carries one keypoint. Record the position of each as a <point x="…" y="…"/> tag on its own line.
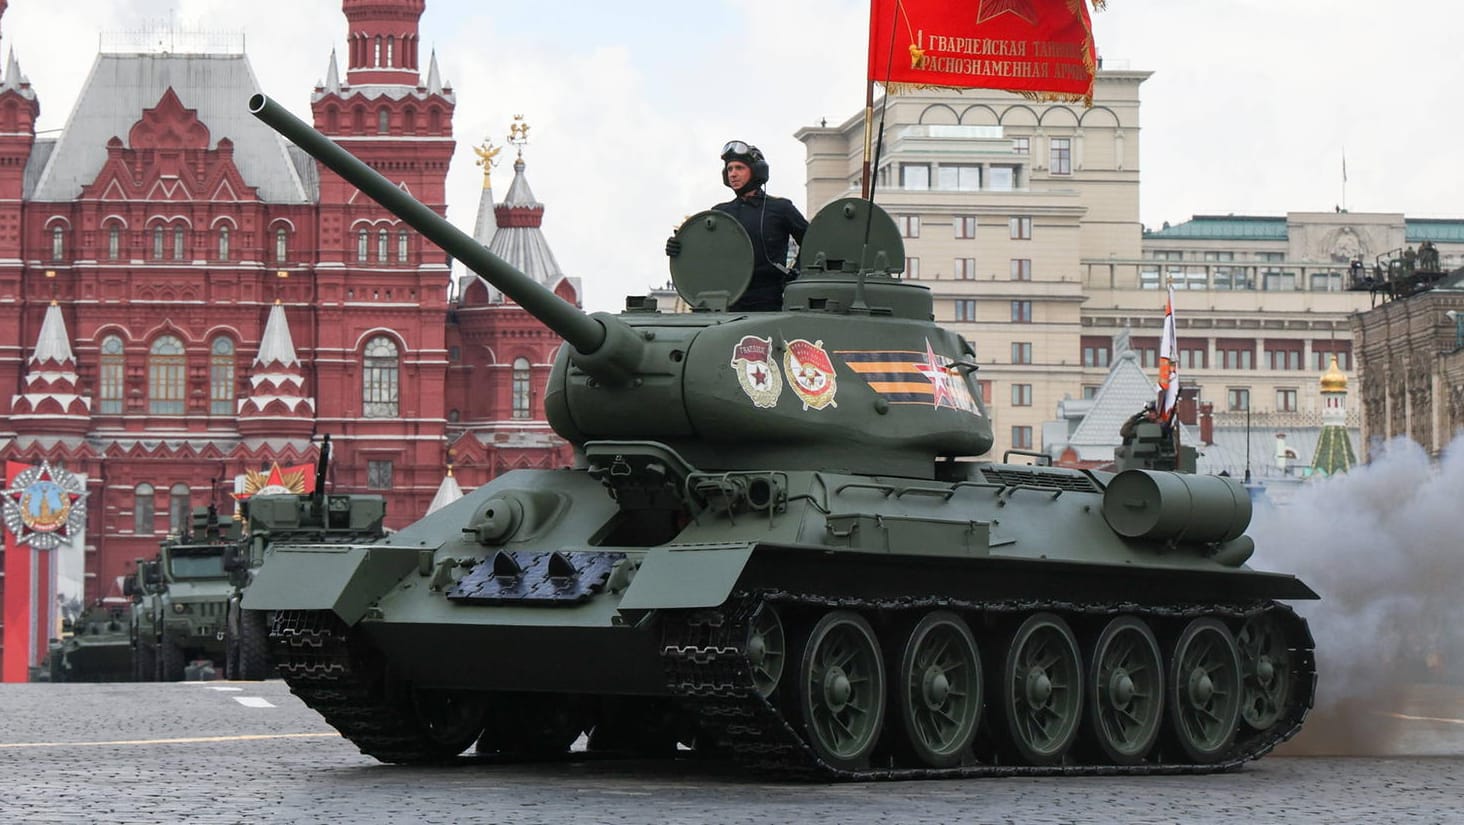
<point x="45" y="506"/>
<point x="757" y="372"/>
<point x="811" y="374"/>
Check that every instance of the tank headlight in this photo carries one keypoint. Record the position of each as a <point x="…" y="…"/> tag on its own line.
<point x="180" y="608"/>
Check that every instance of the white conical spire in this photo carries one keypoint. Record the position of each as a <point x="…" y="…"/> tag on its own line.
<point x="12" y="71"/>
<point x="277" y="345"/>
<point x="333" y="75"/>
<point x="434" y="77"/>
<point x="447" y="492"/>
<point x="53" y="343"/>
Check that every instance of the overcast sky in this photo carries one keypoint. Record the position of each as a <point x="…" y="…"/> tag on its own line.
<point x="1249" y="109"/>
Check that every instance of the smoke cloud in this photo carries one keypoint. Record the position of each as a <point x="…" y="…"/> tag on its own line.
<point x="1381" y="545"/>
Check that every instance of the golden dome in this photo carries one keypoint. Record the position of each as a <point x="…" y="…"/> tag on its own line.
<point x="1333" y="380"/>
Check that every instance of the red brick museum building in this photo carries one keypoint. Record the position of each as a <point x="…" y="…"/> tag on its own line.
<point x="187" y="298"/>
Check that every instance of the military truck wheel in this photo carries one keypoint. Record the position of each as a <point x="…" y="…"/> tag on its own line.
<point x="1126" y="690"/>
<point x="841" y="689"/>
<point x="940" y="689"/>
<point x="1265" y="668"/>
<point x="252" y="647"/>
<point x="1042" y="689"/>
<point x="1204" y="690"/>
<point x="231" y="640"/>
<point x="171" y="661"/>
<point x="144" y="664"/>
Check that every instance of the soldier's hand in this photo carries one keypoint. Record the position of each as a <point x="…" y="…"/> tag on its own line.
<point x="673" y="247"/>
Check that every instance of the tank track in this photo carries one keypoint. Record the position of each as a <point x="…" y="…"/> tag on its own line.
<point x="337" y="679"/>
<point x="707" y="668"/>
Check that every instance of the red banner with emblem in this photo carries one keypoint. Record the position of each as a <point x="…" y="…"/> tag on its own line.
<point x="1040" y="48"/>
<point x="19" y="574"/>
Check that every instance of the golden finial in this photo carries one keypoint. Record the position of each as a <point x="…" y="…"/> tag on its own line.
<point x="518" y="133"/>
<point x="1334" y="380"/>
<point x="487" y="158"/>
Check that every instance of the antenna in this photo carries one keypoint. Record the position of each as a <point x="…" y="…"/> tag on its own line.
<point x="1247" y="444"/>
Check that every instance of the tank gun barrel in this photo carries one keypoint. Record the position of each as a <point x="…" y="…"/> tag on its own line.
<point x="587" y="334"/>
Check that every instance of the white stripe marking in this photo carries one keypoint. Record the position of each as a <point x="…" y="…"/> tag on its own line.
<point x="253" y="701"/>
<point x="225" y="688"/>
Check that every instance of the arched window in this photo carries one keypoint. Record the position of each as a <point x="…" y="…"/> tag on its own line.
<point x="158" y="242"/>
<point x="522" y="395"/>
<point x="180" y="233"/>
<point x="142" y="510"/>
<point x="381" y="236"/>
<point x="358" y="119"/>
<point x="402" y="245"/>
<point x="282" y="245"/>
<point x="221" y="377"/>
<point x="363" y="240"/>
<point x="383" y="122"/>
<point x="178" y="509"/>
<point x="58" y="243"/>
<point x="114" y="242"/>
<point x="379" y="379"/>
<point x="109" y="378"/>
<point x="453" y="416"/>
<point x="376" y="56"/>
<point x="391" y="50"/>
<point x="223" y="243"/>
<point x="434" y="120"/>
<point x="165" y="376"/>
<point x="409" y="121"/>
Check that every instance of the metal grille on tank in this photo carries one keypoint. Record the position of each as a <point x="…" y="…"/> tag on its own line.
<point x="1054" y="479"/>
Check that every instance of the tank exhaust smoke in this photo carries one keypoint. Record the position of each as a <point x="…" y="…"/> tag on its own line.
<point x="1381" y="544"/>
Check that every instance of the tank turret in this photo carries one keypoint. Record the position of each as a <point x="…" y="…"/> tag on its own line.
<point x="853" y="356"/>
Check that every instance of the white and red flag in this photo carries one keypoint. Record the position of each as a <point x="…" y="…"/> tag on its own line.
<point x="1168" y="363"/>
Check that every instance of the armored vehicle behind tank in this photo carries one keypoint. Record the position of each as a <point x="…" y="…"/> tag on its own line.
<point x="94" y="647"/>
<point x="315" y="517"/>
<point x="774" y="546"/>
<point x="180" y="601"/>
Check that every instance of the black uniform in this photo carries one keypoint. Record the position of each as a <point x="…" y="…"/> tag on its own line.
<point x="769" y="222"/>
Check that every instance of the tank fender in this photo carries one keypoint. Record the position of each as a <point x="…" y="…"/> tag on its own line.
<point x="345" y="579"/>
<point x="1160" y="505"/>
<point x="686" y="575"/>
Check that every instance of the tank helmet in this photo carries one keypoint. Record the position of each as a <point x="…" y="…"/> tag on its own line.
<point x="746" y="153"/>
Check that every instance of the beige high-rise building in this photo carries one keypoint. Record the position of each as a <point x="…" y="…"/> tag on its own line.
<point x="1023" y="219"/>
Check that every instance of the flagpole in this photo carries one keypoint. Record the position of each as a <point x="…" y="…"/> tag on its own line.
<point x="868" y="137"/>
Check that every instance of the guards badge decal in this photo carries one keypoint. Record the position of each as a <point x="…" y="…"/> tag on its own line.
<point x="756" y="370"/>
<point x="811" y="374"/>
<point x="45" y="506"/>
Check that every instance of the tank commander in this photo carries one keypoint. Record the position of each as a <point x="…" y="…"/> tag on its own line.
<point x="1149" y="414"/>
<point x="770" y="221"/>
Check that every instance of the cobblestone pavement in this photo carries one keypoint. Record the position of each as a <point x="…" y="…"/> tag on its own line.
<point x="219" y="752"/>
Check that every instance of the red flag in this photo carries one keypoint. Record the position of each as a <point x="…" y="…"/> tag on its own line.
<point x="1040" y="48"/>
<point x="1168" y="364"/>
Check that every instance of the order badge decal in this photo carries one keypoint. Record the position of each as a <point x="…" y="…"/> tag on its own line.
<point x="811" y="373"/>
<point x="756" y="370"/>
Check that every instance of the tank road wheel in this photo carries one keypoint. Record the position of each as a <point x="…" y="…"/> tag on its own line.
<point x="1204" y="690"/>
<point x="450" y="720"/>
<point x="940" y="689"/>
<point x="1042" y="689"/>
<point x="1265" y="669"/>
<point x="842" y="689"/>
<point x="1126" y="690"/>
<point x="767" y="649"/>
<point x="535" y="725"/>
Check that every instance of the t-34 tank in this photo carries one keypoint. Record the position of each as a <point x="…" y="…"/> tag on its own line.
<point x="771" y="548"/>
